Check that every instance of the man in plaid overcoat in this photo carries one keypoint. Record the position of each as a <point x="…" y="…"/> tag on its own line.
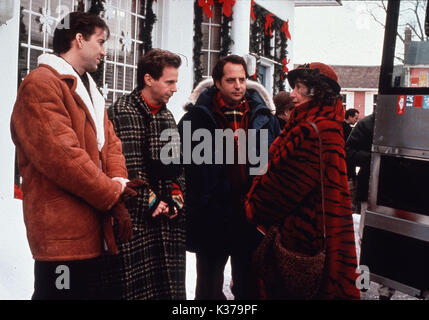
<point x="152" y="264"/>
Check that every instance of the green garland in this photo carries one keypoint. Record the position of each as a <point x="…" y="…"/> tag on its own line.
<point x="96" y="6"/>
<point x="260" y="44"/>
<point x="225" y="41"/>
<point x="146" y="33"/>
<point x="225" y="36"/>
<point x="198" y="43"/>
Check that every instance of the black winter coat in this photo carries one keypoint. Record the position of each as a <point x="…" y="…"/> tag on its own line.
<point x="358" y="149"/>
<point x="215" y="213"/>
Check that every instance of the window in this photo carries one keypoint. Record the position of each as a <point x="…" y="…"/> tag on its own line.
<point x="344" y="100"/>
<point x="269" y="45"/>
<point x="125" y="20"/>
<point x="211" y="40"/>
<point x="38" y="21"/>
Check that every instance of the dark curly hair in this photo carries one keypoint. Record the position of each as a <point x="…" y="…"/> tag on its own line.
<point x="319" y="87"/>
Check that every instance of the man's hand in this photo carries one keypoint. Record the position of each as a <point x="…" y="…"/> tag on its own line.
<point x="165" y="210"/>
<point x="123" y="219"/>
<point x="129" y="190"/>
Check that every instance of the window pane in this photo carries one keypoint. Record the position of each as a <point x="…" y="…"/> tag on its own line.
<point x="119" y="77"/>
<point x="55" y="5"/>
<point x="22" y="64"/>
<point x="37" y="5"/>
<point x="109" y="99"/>
<point x="36" y="31"/>
<point x="129" y="79"/>
<point x="205" y="30"/>
<point x="34" y="54"/>
<point x="215" y="38"/>
<point x="24" y="32"/>
<point x="204" y="63"/>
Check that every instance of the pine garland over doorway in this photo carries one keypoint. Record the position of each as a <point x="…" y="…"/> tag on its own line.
<point x="225" y="42"/>
<point x="264" y="26"/>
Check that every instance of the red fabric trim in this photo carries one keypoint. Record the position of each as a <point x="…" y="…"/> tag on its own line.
<point x="176" y="189"/>
<point x="153" y="108"/>
<point x="17" y="192"/>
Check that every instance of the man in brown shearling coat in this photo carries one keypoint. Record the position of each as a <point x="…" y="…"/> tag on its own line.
<point x="71" y="162"/>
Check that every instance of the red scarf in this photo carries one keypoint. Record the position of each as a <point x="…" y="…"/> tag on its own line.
<point x="153" y="108"/>
<point x="235" y="117"/>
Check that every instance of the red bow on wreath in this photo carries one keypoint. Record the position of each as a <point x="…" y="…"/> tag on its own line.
<point x="268" y="22"/>
<point x="285" y="30"/>
<point x="285" y="68"/>
<point x="252" y="12"/>
<point x="206" y="6"/>
<point x="227" y="7"/>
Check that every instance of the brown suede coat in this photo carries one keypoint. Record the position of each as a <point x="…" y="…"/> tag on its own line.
<point x="67" y="183"/>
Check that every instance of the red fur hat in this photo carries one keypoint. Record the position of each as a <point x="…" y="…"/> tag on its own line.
<point x="326" y="72"/>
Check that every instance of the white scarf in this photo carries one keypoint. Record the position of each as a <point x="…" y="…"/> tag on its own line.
<point x="95" y="107"/>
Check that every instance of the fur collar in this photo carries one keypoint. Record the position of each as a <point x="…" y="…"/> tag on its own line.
<point x="207" y="83"/>
<point x="95" y="106"/>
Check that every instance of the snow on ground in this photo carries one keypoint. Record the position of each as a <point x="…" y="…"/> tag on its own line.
<point x="16" y="262"/>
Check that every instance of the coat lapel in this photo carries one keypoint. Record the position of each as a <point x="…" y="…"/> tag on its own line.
<point x="94" y="109"/>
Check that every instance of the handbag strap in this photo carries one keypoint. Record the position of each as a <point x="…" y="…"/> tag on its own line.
<point x="321" y="181"/>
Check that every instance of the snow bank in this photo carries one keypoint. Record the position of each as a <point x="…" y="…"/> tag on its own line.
<point x="16" y="262"/>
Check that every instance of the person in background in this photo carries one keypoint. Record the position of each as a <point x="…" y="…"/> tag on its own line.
<point x="284" y="106"/>
<point x="350" y="119"/>
<point x="73" y="170"/>
<point x="289" y="194"/>
<point x="152" y="265"/>
<point x="216" y="221"/>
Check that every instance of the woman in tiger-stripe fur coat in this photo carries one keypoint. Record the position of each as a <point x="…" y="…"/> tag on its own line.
<point x="290" y="192"/>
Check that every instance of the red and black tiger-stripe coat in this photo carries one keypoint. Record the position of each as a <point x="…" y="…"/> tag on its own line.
<point x="290" y="194"/>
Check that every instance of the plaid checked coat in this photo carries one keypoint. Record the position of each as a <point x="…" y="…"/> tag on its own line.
<point x="152" y="264"/>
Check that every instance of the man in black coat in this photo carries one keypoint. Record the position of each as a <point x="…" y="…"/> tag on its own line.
<point x="216" y="222"/>
<point x="358" y="152"/>
<point x="351" y="117"/>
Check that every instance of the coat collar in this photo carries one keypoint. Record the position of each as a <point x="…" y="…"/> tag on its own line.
<point x="95" y="107"/>
<point x="250" y="85"/>
<point x="141" y="104"/>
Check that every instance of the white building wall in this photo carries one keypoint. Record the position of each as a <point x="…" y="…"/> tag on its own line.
<point x="9" y="35"/>
<point x="174" y="31"/>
